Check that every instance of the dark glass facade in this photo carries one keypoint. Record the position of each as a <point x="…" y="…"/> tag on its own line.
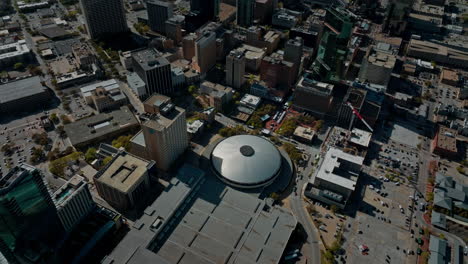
<point x="29" y="225"/>
<point x="332" y="51"/>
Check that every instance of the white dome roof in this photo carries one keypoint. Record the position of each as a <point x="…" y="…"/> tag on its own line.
<point x="246" y="161"/>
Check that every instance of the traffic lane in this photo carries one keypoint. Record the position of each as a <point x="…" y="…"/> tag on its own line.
<point x="311" y="247"/>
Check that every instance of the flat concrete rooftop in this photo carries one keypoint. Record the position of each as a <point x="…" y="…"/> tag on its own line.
<point x="198" y="219"/>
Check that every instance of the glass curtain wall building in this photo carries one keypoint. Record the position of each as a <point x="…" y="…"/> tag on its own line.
<point x="333" y="48"/>
<point x="29" y="225"/>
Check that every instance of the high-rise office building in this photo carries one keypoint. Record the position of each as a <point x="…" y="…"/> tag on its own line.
<point x="293" y="53"/>
<point x="264" y="10"/>
<point x="330" y="62"/>
<point x="205" y="9"/>
<point x="73" y="201"/>
<point x="158" y="13"/>
<point x="104" y="17"/>
<point x="293" y="50"/>
<point x="164" y="131"/>
<point x="235" y="69"/>
<point x="245" y="12"/>
<point x="396" y="17"/>
<point x="205" y="51"/>
<point x="29" y="226"/>
<point x="174" y="27"/>
<point x="188" y="46"/>
<point x="154" y="70"/>
<point x="313" y="96"/>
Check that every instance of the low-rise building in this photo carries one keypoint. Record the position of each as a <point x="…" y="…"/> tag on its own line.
<point x="304" y="134"/>
<point x="178" y="78"/>
<point x="83" y="54"/>
<point x="336" y="178"/>
<point x="26" y="7"/>
<point x="360" y="138"/>
<point x="445" y="142"/>
<point x="219" y="95"/>
<point x="74" y="78"/>
<point x="125" y="181"/>
<point x="23" y="95"/>
<point x="451" y="198"/>
<point x="262" y="90"/>
<point x="250" y="101"/>
<point x="101" y="127"/>
<point x="208" y="114"/>
<point x="449" y="77"/>
<point x="73" y="201"/>
<point x="104" y="96"/>
<point x="14" y="52"/>
<point x="439" y="251"/>
<point x="137" y="85"/>
<point x="429" y="10"/>
<point x="436" y="52"/>
<point x="195" y="128"/>
<point x="402" y="99"/>
<point x="425" y="23"/>
<point x="286" y="18"/>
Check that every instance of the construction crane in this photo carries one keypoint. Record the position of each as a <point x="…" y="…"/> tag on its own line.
<point x="356" y="113"/>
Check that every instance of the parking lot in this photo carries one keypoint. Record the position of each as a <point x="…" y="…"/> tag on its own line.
<point x="447" y="95"/>
<point x="19" y="135"/>
<point x="396" y="159"/>
<point x="385" y="242"/>
<point x="383" y="224"/>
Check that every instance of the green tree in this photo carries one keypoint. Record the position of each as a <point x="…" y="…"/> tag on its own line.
<point x="90" y="154"/>
<point x="275" y="196"/>
<point x="37" y="155"/>
<point x="303" y="119"/>
<point x="65" y="119"/>
<point x="61" y="131"/>
<point x="7" y="148"/>
<point x="255" y="120"/>
<point x="122" y="141"/>
<point x="287" y="127"/>
<point x="141" y="28"/>
<point x="276" y="140"/>
<point x="334" y="208"/>
<point x="58" y="166"/>
<point x="232" y="131"/>
<point x="34" y="70"/>
<point x="54" y="118"/>
<point x="192" y="89"/>
<point x="328" y="256"/>
<point x="18" y="66"/>
<point x="41" y="138"/>
<point x="292" y="151"/>
<point x="106" y="160"/>
<point x="318" y="125"/>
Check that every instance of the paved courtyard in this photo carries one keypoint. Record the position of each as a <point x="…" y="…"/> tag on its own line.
<point x="404" y="135"/>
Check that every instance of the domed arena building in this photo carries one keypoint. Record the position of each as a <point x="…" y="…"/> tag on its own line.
<point x="247" y="161"/>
